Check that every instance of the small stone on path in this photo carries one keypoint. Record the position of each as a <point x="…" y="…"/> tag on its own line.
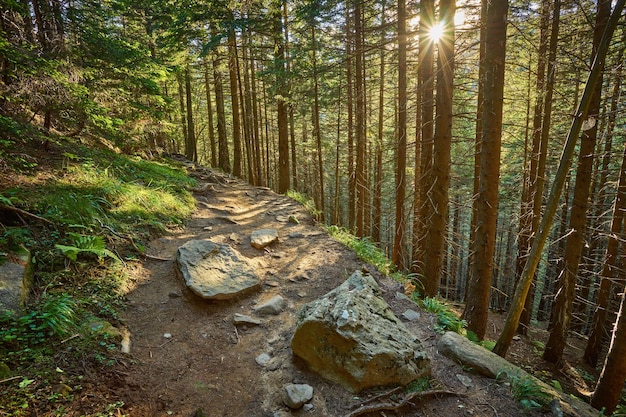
<point x="263" y="359"/>
<point x="411" y="315"/>
<point x="297" y="394"/>
<point x="274" y="305"/>
<point x="244" y="319"/>
<point x="262" y="238"/>
<point x="465" y="380"/>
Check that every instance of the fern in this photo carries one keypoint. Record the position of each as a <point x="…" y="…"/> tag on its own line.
<point x="86" y="244"/>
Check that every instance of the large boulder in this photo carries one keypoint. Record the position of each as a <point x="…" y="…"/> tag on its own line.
<point x="215" y="271"/>
<point x="351" y="336"/>
<point x="16" y="281"/>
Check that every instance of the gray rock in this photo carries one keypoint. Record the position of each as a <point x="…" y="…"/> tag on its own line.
<point x="261" y="238"/>
<point x="244" y="319"/>
<point x="274" y="305"/>
<point x="351" y="336"/>
<point x="216" y="271"/>
<point x="297" y="394"/>
<point x="263" y="359"/>
<point x="16" y="281"/>
<point x="411" y="315"/>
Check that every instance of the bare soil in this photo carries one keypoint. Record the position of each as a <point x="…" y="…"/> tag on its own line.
<point x="207" y="367"/>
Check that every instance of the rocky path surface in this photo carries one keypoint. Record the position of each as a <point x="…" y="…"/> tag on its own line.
<point x="190" y="359"/>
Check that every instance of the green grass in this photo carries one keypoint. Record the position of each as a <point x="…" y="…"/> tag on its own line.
<point x="365" y="249"/>
<point x="90" y="197"/>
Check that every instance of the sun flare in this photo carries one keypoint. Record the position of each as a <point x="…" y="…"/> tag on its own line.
<point x="436" y="32"/>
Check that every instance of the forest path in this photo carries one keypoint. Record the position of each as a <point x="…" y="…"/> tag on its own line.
<point x="207" y="367"/>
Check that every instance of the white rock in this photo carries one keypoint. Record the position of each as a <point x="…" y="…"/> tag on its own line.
<point x="297" y="394"/>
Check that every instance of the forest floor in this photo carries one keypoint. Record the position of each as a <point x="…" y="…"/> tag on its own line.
<point x="188" y="359"/>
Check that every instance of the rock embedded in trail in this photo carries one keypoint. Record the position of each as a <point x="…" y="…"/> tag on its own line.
<point x="215" y="271"/>
<point x="297" y="394"/>
<point x="262" y="238"/>
<point x="274" y="305"/>
<point x="351" y="336"/>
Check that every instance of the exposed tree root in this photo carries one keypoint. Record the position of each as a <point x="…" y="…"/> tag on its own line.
<point x="390" y="406"/>
<point x="24" y="212"/>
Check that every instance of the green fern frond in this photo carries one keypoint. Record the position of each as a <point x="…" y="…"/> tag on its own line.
<point x="86" y="244"/>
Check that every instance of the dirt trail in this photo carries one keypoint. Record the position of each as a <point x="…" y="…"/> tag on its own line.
<point x="207" y="364"/>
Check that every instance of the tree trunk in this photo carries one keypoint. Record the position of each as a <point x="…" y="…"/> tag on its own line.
<point x="477" y="307"/>
<point x="426" y="77"/>
<point x="316" y="128"/>
<point x="191" y="151"/>
<point x="350" y="127"/>
<point x="398" y="245"/>
<point x="281" y="94"/>
<point x="529" y="190"/>
<point x="377" y="200"/>
<point x="578" y="213"/>
<point x="512" y="320"/>
<point x="234" y="96"/>
<point x="222" y="141"/>
<point x="361" y="170"/>
<point x="209" y="107"/>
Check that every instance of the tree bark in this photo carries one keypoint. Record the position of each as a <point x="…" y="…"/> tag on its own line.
<point x="426" y="77"/>
<point x="191" y="151"/>
<point x="234" y="97"/>
<point x="477" y="307"/>
<point x="401" y="131"/>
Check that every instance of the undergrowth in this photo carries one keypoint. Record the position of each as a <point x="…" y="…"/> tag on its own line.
<point x="90" y="206"/>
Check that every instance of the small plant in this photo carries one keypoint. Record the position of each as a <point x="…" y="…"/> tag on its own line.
<point x="86" y="244"/>
<point x="364" y="248"/>
<point x="53" y="316"/>
<point x="306" y="202"/>
<point x="525" y="390"/>
<point x="419" y="385"/>
<point x="446" y="319"/>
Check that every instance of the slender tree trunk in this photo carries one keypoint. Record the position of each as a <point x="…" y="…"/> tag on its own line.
<point x="234" y="96"/>
<point x="478" y="139"/>
<point x="191" y="151"/>
<point x="181" y="104"/>
<point x="281" y="94"/>
<point x="377" y="200"/>
<point x="512" y="320"/>
<point x="530" y="185"/>
<point x="426" y="76"/>
<point x="477" y="307"/>
<point x="350" y="127"/>
<point x="209" y="107"/>
<point x="578" y="213"/>
<point x="401" y="130"/>
<point x="442" y="142"/>
<point x="361" y="170"/>
<point x="316" y="127"/>
<point x="292" y="128"/>
<point x="222" y="141"/>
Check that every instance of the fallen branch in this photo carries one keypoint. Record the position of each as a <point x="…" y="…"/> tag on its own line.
<point x="10" y="379"/>
<point x="395" y="406"/>
<point x="24" y="212"/>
